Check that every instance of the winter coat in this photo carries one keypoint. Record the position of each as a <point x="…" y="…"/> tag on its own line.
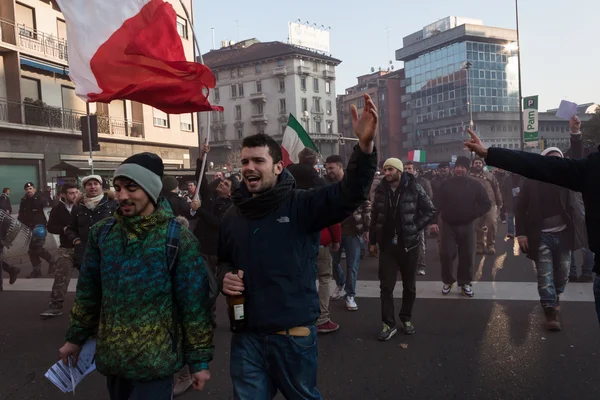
<point x="425" y="184"/>
<point x="179" y="205"/>
<point x="83" y="220"/>
<point x="61" y="218"/>
<point x="5" y="203"/>
<point x="415" y="206"/>
<point x="149" y="320"/>
<point x="580" y="175"/>
<point x="491" y="186"/>
<point x="461" y="200"/>
<point x="528" y="217"/>
<point x="274" y="239"/>
<point x="31" y="210"/>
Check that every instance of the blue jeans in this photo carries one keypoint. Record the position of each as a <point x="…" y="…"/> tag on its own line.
<point x="262" y="364"/>
<point x="588" y="263"/>
<point x="597" y="295"/>
<point x="554" y="261"/>
<point x="510" y="220"/>
<point x="351" y="244"/>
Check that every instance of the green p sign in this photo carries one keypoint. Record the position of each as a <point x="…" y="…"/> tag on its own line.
<point x="531" y="120"/>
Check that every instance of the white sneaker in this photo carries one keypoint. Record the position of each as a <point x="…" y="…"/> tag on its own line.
<point x="467" y="290"/>
<point x="447" y="289"/>
<point x="337" y="293"/>
<point x="351" y="304"/>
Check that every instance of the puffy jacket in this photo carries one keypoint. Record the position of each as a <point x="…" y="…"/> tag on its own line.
<point x="277" y="248"/>
<point x="415" y="206"/>
<point x="83" y="220"/>
<point x="61" y="218"/>
<point x="491" y="186"/>
<point x="150" y="320"/>
<point x="31" y="210"/>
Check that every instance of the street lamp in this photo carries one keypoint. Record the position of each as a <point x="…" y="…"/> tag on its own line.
<point x="519" y="77"/>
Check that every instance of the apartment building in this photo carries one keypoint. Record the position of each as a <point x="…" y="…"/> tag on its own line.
<point x="259" y="84"/>
<point x="40" y="132"/>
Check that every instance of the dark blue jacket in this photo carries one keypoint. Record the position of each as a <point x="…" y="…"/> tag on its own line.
<point x="278" y="252"/>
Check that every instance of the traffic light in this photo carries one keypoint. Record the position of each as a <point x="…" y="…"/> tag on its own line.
<point x="91" y="135"/>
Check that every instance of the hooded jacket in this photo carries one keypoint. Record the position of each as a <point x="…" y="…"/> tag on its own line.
<point x="150" y="321"/>
<point x="415" y="206"/>
<point x="274" y="238"/>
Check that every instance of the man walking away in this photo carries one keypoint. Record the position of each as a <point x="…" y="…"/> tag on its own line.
<point x="170" y="191"/>
<point x="410" y="168"/>
<point x="401" y="211"/>
<point x="31" y="214"/>
<point x="92" y="207"/>
<point x="461" y="201"/>
<point x="307" y="178"/>
<point x="353" y="228"/>
<point x="13" y="272"/>
<point x="490" y="220"/>
<point x="143" y="291"/>
<point x="60" y="218"/>
<point x="549" y="227"/>
<point x="268" y="250"/>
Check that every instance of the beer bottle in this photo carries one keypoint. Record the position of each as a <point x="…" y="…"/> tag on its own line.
<point x="237" y="317"/>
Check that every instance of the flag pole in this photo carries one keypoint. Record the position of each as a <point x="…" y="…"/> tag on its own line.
<point x="197" y="45"/>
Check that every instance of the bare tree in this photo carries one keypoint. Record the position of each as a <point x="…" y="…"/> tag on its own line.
<point x="234" y="160"/>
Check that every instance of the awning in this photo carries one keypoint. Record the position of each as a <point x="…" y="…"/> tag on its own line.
<point x="84" y="166"/>
<point x="57" y="69"/>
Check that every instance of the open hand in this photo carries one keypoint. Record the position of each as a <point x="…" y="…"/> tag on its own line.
<point x="365" y="128"/>
<point x="434" y="228"/>
<point x="575" y="124"/>
<point x="474" y="144"/>
<point x="200" y="378"/>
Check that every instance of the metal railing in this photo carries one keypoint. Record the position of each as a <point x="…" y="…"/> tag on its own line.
<point x="31" y="39"/>
<point x="45" y="116"/>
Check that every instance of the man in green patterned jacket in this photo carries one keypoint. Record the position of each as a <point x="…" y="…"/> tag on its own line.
<point x="150" y="318"/>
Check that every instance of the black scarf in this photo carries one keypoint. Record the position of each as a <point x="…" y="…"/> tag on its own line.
<point x="261" y="205"/>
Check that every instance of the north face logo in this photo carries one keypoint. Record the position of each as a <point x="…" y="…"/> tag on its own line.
<point x="283" y="220"/>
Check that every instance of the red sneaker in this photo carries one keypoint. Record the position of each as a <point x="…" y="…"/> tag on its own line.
<point x="327" y="327"/>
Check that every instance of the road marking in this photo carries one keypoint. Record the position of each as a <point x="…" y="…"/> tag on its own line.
<point x="575" y="291"/>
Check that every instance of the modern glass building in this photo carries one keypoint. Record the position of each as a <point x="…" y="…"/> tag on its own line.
<point x="450" y="65"/>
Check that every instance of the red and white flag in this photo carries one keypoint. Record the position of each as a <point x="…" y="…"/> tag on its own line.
<point x="130" y="49"/>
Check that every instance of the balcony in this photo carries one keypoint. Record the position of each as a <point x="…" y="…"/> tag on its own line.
<point x="328" y="74"/>
<point x="30" y="114"/>
<point x="302" y="70"/>
<point x="261" y="96"/>
<point x="258" y="119"/>
<point x="280" y="71"/>
<point x="33" y="42"/>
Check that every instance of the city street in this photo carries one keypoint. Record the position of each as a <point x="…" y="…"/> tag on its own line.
<point x="488" y="347"/>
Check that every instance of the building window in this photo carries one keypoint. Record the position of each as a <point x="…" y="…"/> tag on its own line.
<point x="238" y="112"/>
<point x="258" y="87"/>
<point x="282" y="108"/>
<point x="419" y="102"/>
<point x="216" y="74"/>
<point x="303" y="83"/>
<point x="329" y="127"/>
<point x="240" y="72"/>
<point x="30" y="88"/>
<point x="482" y="91"/>
<point x="493" y="75"/>
<point x="216" y="94"/>
<point x="504" y="76"/>
<point x="484" y="108"/>
<point x="186" y="122"/>
<point x="361" y="103"/>
<point x="481" y="74"/>
<point x="317" y="104"/>
<point x="241" y="90"/>
<point x="494" y="108"/>
<point x="316" y="84"/>
<point x="504" y="93"/>
<point x="240" y="134"/>
<point x="282" y="85"/>
<point x="182" y="28"/>
<point x="328" y="107"/>
<point x="233" y="91"/>
<point x="440" y="98"/>
<point x="494" y="92"/>
<point x="304" y="104"/>
<point x="257" y="68"/>
<point x="318" y="126"/>
<point x="25" y="17"/>
<point x="451" y="95"/>
<point x="161" y="119"/>
<point x="429" y="100"/>
<point x="327" y="87"/>
<point x="419" y="118"/>
<point x="232" y="73"/>
<point x="441" y="114"/>
<point x="260" y="108"/>
<point x="316" y="66"/>
<point x="280" y="63"/>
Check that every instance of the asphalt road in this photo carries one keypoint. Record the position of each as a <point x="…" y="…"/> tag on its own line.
<point x="476" y="348"/>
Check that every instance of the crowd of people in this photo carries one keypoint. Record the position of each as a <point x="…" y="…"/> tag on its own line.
<point x="152" y="262"/>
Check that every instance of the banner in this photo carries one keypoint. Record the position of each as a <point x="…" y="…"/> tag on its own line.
<point x="531" y="121"/>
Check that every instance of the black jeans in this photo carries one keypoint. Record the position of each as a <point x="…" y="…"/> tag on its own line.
<point x="37" y="251"/>
<point x="459" y="239"/>
<point x="391" y="259"/>
<point x="124" y="389"/>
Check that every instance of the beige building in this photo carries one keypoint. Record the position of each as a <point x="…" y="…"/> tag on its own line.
<point x="260" y="83"/>
<point x="40" y="133"/>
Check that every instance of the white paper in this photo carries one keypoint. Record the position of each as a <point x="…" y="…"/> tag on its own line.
<point x="66" y="378"/>
<point x="566" y="110"/>
<point x="516" y="191"/>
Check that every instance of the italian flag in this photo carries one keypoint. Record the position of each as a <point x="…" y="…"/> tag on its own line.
<point x="416" y="155"/>
<point x="130" y="49"/>
<point x="295" y="139"/>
